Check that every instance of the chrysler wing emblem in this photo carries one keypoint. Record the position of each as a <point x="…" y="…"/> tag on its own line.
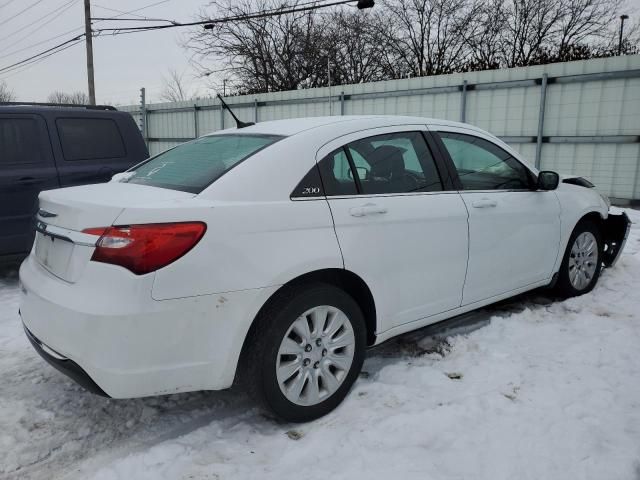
<point x="45" y="214"/>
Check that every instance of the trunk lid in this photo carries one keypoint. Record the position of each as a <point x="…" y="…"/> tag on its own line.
<point x="77" y="208"/>
<point x="60" y="245"/>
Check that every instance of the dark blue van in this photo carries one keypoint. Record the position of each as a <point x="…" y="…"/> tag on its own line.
<point x="44" y="147"/>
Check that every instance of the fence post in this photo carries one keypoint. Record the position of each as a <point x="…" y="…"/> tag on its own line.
<point x="143" y="116"/>
<point x="463" y="102"/>
<point x="543" y="97"/>
<point x="221" y="117"/>
<point x="255" y="110"/>
<point x="341" y="103"/>
<point x="196" y="128"/>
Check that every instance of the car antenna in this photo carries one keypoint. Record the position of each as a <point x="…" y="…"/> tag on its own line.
<point x="239" y="123"/>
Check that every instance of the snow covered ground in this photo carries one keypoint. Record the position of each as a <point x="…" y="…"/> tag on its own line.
<point x="547" y="390"/>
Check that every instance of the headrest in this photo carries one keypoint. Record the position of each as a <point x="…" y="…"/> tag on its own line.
<point x="387" y="162"/>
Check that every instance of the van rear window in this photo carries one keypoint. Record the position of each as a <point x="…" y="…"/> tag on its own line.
<point x="90" y="139"/>
<point x="193" y="166"/>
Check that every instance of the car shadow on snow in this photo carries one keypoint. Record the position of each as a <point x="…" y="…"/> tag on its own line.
<point x="433" y="338"/>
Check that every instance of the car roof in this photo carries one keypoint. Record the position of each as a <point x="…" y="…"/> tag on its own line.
<point x="294" y="126"/>
<point x="42" y="109"/>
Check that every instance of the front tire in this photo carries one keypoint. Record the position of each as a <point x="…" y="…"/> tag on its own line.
<point x="582" y="261"/>
<point x="305" y="352"/>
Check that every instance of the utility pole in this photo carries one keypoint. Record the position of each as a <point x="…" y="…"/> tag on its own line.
<point x="88" y="39"/>
<point x="622" y="19"/>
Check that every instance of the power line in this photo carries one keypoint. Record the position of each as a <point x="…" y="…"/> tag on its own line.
<point x="117" y="31"/>
<point x="66" y="42"/>
<point x="131" y="12"/>
<point x="28" y="62"/>
<point x="6" y="3"/>
<point x="21" y="12"/>
<point x="27" y="65"/>
<point x="39" y="43"/>
<point x="250" y="16"/>
<point x="106" y="19"/>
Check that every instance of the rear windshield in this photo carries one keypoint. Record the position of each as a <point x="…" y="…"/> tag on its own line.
<point x="193" y="166"/>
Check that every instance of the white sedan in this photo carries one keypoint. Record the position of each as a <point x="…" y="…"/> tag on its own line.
<point x="274" y="255"/>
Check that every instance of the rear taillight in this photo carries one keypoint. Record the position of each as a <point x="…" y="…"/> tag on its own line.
<point x="145" y="248"/>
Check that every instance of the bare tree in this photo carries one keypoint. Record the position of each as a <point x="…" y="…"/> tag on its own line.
<point x="530" y="23"/>
<point x="428" y="36"/>
<point x="399" y="38"/>
<point x="355" y="45"/>
<point x="511" y="33"/>
<point x="264" y="54"/>
<point x="586" y="21"/>
<point x="486" y="36"/>
<point x="174" y="89"/>
<point x="6" y="94"/>
<point x="73" y="98"/>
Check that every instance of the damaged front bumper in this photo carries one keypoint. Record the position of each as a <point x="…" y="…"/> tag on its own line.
<point x="616" y="230"/>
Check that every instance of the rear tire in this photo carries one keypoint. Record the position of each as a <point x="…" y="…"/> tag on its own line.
<point x="582" y="261"/>
<point x="305" y="352"/>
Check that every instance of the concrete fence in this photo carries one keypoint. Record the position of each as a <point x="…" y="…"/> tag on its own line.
<point x="577" y="117"/>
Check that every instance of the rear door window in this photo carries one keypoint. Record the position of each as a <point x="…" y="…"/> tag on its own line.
<point x="90" y="139"/>
<point x="381" y="164"/>
<point x="193" y="166"/>
<point x="20" y="142"/>
<point x="395" y="163"/>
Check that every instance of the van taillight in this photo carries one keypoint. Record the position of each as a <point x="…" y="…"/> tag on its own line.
<point x="145" y="248"/>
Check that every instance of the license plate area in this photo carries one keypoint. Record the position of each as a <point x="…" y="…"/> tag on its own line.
<point x="54" y="253"/>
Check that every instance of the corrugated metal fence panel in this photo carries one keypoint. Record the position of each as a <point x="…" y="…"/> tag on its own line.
<point x="609" y="107"/>
<point x="159" y="147"/>
<point x="612" y="167"/>
<point x="582" y="123"/>
<point x="171" y="125"/>
<point x="505" y="112"/>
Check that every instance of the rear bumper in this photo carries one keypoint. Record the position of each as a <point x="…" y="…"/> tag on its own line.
<point x="616" y="231"/>
<point x="108" y="329"/>
<point x="64" y="365"/>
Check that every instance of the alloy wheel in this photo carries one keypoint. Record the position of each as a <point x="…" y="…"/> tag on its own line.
<point x="583" y="260"/>
<point x="315" y="355"/>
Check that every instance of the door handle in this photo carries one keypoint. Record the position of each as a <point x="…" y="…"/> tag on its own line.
<point x="484" y="203"/>
<point x="29" y="181"/>
<point x="368" y="209"/>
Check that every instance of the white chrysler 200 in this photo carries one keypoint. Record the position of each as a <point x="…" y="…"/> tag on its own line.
<point x="273" y="255"/>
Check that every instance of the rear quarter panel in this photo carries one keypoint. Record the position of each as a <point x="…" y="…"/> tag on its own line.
<point x="256" y="235"/>
<point x="247" y="244"/>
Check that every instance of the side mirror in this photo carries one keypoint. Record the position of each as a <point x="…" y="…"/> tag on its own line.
<point x="548" y="180"/>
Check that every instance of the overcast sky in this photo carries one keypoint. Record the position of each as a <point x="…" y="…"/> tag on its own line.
<point x="123" y="63"/>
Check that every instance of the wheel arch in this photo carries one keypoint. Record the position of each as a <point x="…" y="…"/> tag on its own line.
<point x="348" y="281"/>
<point x="569" y="224"/>
<point x="594" y="216"/>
